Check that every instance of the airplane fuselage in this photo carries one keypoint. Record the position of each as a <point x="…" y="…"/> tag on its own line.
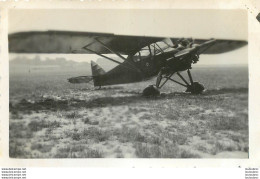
<point x="146" y="68"/>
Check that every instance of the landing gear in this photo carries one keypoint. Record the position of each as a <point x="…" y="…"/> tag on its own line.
<point x="151" y="91"/>
<point x="192" y="87"/>
<point x="196" y="88"/>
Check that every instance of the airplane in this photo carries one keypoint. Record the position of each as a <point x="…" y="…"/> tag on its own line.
<point x="142" y="57"/>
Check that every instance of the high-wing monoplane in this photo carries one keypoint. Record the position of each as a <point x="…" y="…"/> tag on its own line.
<point x="141" y="57"/>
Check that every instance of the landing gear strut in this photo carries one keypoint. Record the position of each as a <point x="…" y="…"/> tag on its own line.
<point x="192" y="87"/>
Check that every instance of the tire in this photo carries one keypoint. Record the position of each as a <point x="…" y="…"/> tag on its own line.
<point x="151" y="91"/>
<point x="196" y="88"/>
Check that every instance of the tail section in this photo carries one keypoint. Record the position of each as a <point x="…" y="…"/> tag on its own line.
<point x="80" y="79"/>
<point x="97" y="71"/>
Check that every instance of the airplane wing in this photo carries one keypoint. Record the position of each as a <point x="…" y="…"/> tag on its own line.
<point x="68" y="42"/>
<point x="211" y="47"/>
<point x="217" y="46"/>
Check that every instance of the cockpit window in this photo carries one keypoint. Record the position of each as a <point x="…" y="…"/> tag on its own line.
<point x="144" y="52"/>
<point x="152" y="49"/>
<point x="137" y="57"/>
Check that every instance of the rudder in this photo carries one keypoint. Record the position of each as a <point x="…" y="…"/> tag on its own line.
<point x="96" y="72"/>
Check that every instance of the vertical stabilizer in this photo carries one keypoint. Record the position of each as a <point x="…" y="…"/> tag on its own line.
<point x="96" y="69"/>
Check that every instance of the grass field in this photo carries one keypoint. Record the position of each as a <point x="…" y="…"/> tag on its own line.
<point x="51" y="118"/>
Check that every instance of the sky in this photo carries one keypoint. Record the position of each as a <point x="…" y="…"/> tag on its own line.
<point x="223" y="24"/>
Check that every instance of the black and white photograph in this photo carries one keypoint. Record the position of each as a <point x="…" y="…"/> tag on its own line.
<point x="128" y="83"/>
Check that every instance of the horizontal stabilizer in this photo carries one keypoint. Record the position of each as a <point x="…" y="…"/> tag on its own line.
<point x="80" y="79"/>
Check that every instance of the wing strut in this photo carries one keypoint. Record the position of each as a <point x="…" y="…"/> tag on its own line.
<point x="118" y="54"/>
<point x="86" y="48"/>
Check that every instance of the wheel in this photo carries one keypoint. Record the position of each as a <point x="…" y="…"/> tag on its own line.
<point x="151" y="91"/>
<point x="196" y="88"/>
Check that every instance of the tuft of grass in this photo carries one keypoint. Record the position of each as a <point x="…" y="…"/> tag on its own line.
<point x="38" y="125"/>
<point x="16" y="150"/>
<point x="19" y="130"/>
<point x="72" y="115"/>
<point x="43" y="148"/>
<point x="92" y="153"/>
<point x="119" y="153"/>
<point x="229" y="123"/>
<point x="96" y="134"/>
<point x="143" y="150"/>
<point x="225" y="146"/>
<point x="189" y="154"/>
<point x="127" y="134"/>
<point x="75" y="136"/>
<point x="63" y="152"/>
<point x="85" y="120"/>
<point x="78" y="151"/>
<point x="146" y="117"/>
<point x="172" y="115"/>
<point x="16" y="116"/>
<point x="155" y="140"/>
<point x="88" y="121"/>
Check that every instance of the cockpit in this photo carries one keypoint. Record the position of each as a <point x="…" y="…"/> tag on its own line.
<point x="153" y="49"/>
